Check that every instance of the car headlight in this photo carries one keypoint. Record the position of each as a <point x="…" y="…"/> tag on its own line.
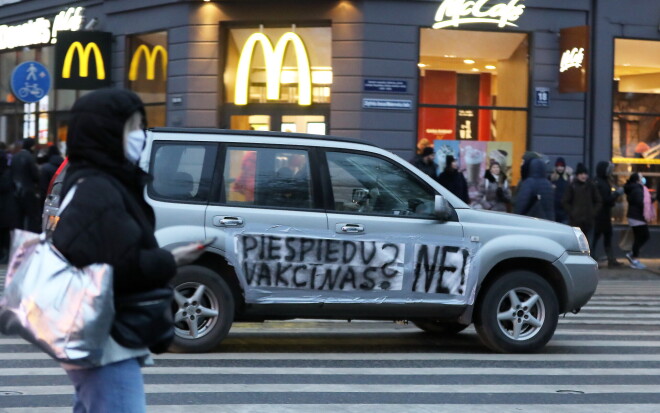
<point x="583" y="244"/>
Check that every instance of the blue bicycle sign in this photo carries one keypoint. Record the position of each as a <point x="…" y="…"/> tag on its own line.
<point x="30" y="81"/>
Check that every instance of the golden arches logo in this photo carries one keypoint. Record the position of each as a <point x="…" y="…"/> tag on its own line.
<point x="274" y="58"/>
<point x="150" y="57"/>
<point x="83" y="60"/>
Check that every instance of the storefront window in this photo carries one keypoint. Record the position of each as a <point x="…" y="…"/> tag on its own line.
<point x="283" y="73"/>
<point x="636" y="115"/>
<point x="473" y="92"/>
<point x="146" y="73"/>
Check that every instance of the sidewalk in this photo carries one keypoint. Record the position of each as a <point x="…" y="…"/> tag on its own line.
<point x="652" y="272"/>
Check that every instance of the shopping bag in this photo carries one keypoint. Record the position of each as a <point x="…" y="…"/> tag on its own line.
<point x="65" y="311"/>
<point x="626" y="239"/>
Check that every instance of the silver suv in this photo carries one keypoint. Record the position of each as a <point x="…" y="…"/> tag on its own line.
<point x="335" y="228"/>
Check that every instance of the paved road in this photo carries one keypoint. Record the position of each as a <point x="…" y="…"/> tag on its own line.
<point x="605" y="359"/>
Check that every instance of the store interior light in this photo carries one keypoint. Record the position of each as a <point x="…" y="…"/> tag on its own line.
<point x="468" y="61"/>
<point x="491" y="67"/>
<point x="474" y="69"/>
<point x="626" y="64"/>
<point x="421" y="65"/>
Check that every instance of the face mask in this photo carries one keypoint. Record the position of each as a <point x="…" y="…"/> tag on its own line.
<point x="643" y="181"/>
<point x="134" y="144"/>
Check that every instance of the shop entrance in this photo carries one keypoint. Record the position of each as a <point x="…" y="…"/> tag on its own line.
<point x="279" y="118"/>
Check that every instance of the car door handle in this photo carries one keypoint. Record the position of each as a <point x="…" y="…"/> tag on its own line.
<point x="220" y="221"/>
<point x="350" y="228"/>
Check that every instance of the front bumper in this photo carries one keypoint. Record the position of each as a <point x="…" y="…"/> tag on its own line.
<point x="580" y="273"/>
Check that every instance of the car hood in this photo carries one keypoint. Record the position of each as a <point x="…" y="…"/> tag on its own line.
<point x="489" y="225"/>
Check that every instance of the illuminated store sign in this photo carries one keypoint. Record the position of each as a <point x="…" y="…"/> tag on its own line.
<point x="40" y="30"/>
<point x="453" y="13"/>
<point x="571" y="58"/>
<point x="82" y="60"/>
<point x="150" y="56"/>
<point x="574" y="63"/>
<point x="274" y="61"/>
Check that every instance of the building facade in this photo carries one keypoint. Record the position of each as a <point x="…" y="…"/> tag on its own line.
<point x="482" y="80"/>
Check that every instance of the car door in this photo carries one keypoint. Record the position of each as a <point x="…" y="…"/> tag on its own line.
<point x="179" y="192"/>
<point x="387" y="212"/>
<point x="266" y="204"/>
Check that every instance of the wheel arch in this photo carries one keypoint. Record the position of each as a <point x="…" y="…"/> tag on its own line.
<point x="219" y="264"/>
<point x="543" y="268"/>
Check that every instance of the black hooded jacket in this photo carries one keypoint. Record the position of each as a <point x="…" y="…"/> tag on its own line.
<point x="635" y="195"/>
<point x="455" y="182"/>
<point x="536" y="187"/>
<point x="108" y="220"/>
<point x="607" y="195"/>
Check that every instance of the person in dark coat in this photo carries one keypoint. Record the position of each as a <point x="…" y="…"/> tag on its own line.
<point x="535" y="196"/>
<point x="582" y="201"/>
<point x="560" y="179"/>
<point x="53" y="161"/>
<point x="108" y="221"/>
<point x="603" y="221"/>
<point x="635" y="195"/>
<point x="8" y="207"/>
<point x="424" y="162"/>
<point x="452" y="179"/>
<point x="25" y="173"/>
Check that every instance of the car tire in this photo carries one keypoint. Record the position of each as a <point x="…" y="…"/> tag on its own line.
<point x="202" y="301"/>
<point x="503" y="321"/>
<point x="440" y="328"/>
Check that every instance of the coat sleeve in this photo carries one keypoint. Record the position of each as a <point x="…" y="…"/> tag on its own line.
<point x="567" y="200"/>
<point x="523" y="198"/>
<point x="97" y="228"/>
<point x="598" y="200"/>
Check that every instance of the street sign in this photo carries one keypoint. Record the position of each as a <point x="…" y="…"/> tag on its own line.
<point x="30" y="81"/>
<point x="542" y="98"/>
<point x="391" y="104"/>
<point x="385" y="85"/>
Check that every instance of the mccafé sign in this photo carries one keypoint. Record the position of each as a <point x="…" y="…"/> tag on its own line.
<point x="40" y="30"/>
<point x="574" y="61"/>
<point x="453" y="13"/>
<point x="82" y="60"/>
<point x="572" y="58"/>
<point x="274" y="58"/>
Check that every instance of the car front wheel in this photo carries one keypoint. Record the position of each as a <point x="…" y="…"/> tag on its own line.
<point x="204" y="309"/>
<point x="518" y="313"/>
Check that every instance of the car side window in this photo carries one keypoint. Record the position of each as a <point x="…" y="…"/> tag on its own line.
<point x="372" y="185"/>
<point x="267" y="177"/>
<point x="182" y="171"/>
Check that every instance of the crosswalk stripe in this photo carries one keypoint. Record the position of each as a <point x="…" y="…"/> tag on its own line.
<point x="352" y="388"/>
<point x="361" y="371"/>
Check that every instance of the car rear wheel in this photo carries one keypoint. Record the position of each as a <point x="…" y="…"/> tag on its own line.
<point x="204" y="309"/>
<point x="440" y="328"/>
<point x="518" y="313"/>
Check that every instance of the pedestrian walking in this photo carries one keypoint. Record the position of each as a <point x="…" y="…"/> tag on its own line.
<point x="25" y="174"/>
<point x="108" y="221"/>
<point x="535" y="197"/>
<point x="495" y="192"/>
<point x="8" y="206"/>
<point x="603" y="221"/>
<point x="561" y="179"/>
<point x="53" y="160"/>
<point x="424" y="162"/>
<point x="635" y="191"/>
<point x="582" y="201"/>
<point x="452" y="179"/>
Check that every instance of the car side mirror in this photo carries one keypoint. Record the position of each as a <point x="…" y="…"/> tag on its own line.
<point x="442" y="210"/>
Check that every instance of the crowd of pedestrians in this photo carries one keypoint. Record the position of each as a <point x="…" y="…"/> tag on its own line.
<point x="564" y="195"/>
<point x="24" y="180"/>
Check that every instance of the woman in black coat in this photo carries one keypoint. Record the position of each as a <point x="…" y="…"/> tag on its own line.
<point x="8" y="207"/>
<point x="108" y="221"/>
<point x="535" y="196"/>
<point x="635" y="195"/>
